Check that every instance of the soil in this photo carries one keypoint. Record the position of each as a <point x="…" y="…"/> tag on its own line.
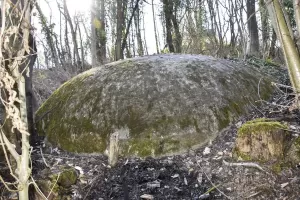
<point x="198" y="174"/>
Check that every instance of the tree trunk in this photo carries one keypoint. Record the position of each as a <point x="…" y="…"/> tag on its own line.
<point x="73" y="34"/>
<point x="13" y="72"/>
<point x="178" y="38"/>
<point x="137" y="21"/>
<point x="271" y="53"/>
<point x="167" y="7"/>
<point x="291" y="54"/>
<point x="81" y="46"/>
<point x="48" y="32"/>
<point x="253" y="43"/>
<point x="124" y="41"/>
<point x="264" y="27"/>
<point x="120" y="18"/>
<point x="155" y="29"/>
<point x="93" y="35"/>
<point x="102" y="57"/>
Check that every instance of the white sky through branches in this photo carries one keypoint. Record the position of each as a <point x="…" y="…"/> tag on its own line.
<point x="50" y="10"/>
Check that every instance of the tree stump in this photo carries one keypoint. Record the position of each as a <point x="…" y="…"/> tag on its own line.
<point x="262" y="140"/>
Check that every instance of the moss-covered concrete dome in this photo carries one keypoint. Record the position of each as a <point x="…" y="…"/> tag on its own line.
<point x="159" y="104"/>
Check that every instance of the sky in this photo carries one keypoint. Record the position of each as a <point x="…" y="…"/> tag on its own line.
<point x="49" y="7"/>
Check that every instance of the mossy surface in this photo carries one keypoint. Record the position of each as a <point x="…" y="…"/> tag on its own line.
<point x="167" y="105"/>
<point x="262" y="140"/>
<point x="279" y="166"/>
<point x="260" y="125"/>
<point x="58" y="183"/>
<point x="240" y="155"/>
<point x="67" y="177"/>
<point x="297" y="145"/>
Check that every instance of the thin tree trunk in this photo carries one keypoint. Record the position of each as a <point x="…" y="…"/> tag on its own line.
<point x="291" y="54"/>
<point x="264" y="27"/>
<point x="155" y="29"/>
<point x="124" y="41"/>
<point x="271" y="53"/>
<point x="93" y="35"/>
<point x="137" y="21"/>
<point x="67" y="44"/>
<point x="81" y="46"/>
<point x="145" y="39"/>
<point x="73" y="34"/>
<point x="120" y="18"/>
<point x="102" y="34"/>
<point x="253" y="45"/>
<point x="168" y="17"/>
<point x="48" y="34"/>
<point x="178" y="40"/>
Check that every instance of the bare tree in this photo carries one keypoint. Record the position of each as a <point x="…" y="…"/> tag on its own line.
<point x="137" y="21"/>
<point x="120" y="26"/>
<point x="253" y="43"/>
<point x="76" y="57"/>
<point x="49" y="35"/>
<point x="155" y="28"/>
<point x="168" y="8"/>
<point x="285" y="36"/>
<point x="15" y="27"/>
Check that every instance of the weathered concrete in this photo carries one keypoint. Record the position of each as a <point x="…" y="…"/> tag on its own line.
<point x="158" y="104"/>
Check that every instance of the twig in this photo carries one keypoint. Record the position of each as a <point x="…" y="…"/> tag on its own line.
<point x="44" y="158"/>
<point x="92" y="185"/>
<point x="6" y="185"/>
<point x="211" y="189"/>
<point x="245" y="164"/>
<point x="253" y="195"/>
<point x="39" y="191"/>
<point x="214" y="186"/>
<point x="53" y="186"/>
<point x="2" y="136"/>
<point x="281" y="85"/>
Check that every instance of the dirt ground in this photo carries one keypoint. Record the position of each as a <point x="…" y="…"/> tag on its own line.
<point x="200" y="174"/>
<point x="205" y="173"/>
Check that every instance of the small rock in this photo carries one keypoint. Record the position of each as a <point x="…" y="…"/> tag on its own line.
<point x="220" y="153"/>
<point x="219" y="170"/>
<point x="199" y="179"/>
<point x="239" y="124"/>
<point x="154" y="184"/>
<point x="206" y="151"/>
<point x="185" y="181"/>
<point x="293" y="127"/>
<point x="147" y="196"/>
<point x="283" y="185"/>
<point x="79" y="169"/>
<point x="229" y="189"/>
<point x="204" y="196"/>
<point x="175" y="176"/>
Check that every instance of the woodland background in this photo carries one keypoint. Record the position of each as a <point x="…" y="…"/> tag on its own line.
<point x="112" y="30"/>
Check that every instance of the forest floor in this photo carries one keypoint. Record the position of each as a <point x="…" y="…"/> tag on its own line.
<point x="205" y="173"/>
<point x="199" y="174"/>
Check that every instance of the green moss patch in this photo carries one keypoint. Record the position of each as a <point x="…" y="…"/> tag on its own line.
<point x="167" y="104"/>
<point x="262" y="140"/>
<point x="260" y="125"/>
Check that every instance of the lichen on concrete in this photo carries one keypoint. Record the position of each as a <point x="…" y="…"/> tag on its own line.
<point x="169" y="103"/>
